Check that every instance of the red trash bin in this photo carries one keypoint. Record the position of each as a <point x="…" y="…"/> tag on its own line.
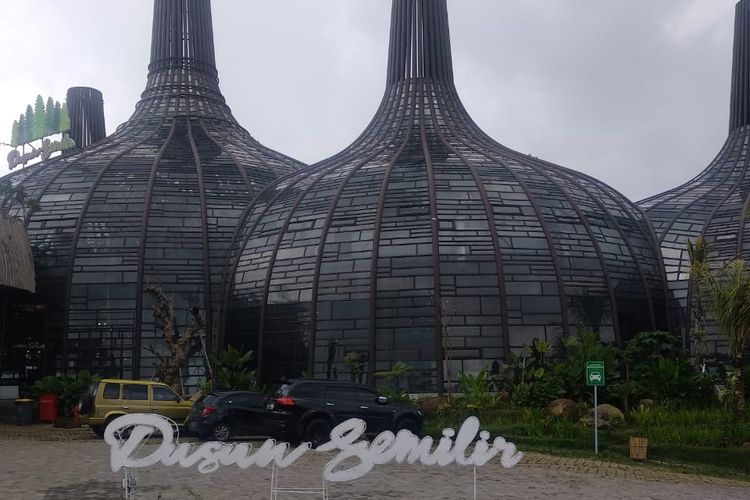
<point x="48" y="407"/>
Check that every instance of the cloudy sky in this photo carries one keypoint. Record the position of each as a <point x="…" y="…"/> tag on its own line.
<point x="633" y="92"/>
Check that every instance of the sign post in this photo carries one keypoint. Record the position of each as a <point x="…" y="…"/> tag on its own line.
<point x="595" y="378"/>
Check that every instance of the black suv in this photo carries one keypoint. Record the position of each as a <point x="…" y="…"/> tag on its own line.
<point x="222" y="415"/>
<point x="307" y="410"/>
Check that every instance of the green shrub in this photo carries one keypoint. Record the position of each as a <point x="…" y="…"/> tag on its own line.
<point x="73" y="388"/>
<point x="543" y="387"/>
<point x="573" y="353"/>
<point x="660" y="370"/>
<point x="68" y="390"/>
<point x="232" y="370"/>
<point x="394" y="394"/>
<point x="393" y="376"/>
<point x="46" y="385"/>
<point x="476" y="390"/>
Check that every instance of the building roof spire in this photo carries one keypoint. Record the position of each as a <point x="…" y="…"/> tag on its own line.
<point x="420" y="44"/>
<point x="740" y="101"/>
<point x="182" y="36"/>
<point x="182" y="77"/>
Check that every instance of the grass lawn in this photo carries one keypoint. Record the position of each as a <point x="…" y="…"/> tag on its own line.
<point x="690" y="441"/>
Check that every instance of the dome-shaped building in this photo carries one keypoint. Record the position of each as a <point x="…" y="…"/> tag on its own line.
<point x="427" y="242"/>
<point x="715" y="204"/>
<point x="154" y="204"/>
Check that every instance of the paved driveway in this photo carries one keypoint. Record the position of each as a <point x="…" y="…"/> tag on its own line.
<point x="66" y="465"/>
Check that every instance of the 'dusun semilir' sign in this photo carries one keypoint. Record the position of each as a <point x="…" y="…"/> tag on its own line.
<point x="353" y="459"/>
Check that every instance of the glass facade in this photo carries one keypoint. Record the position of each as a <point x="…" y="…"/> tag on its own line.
<point x="713" y="205"/>
<point x="155" y="204"/>
<point x="427" y="242"/>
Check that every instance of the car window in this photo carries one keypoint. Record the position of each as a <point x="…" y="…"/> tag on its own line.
<point x="249" y="399"/>
<point x="341" y="393"/>
<point x="365" y="397"/>
<point x="111" y="391"/>
<point x="315" y="391"/>
<point x="135" y="392"/>
<point x="164" y="394"/>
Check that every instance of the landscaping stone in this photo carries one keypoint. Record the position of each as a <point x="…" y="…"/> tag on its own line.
<point x="647" y="403"/>
<point x="565" y="408"/>
<point x="610" y="414"/>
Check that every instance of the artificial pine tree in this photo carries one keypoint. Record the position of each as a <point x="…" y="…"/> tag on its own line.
<point x="57" y="116"/>
<point x="29" y="129"/>
<point x="14" y="134"/>
<point x="49" y="117"/>
<point x="21" y="129"/>
<point x="38" y="125"/>
<point x="64" y="118"/>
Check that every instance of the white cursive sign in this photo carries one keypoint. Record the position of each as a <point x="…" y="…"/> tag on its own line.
<point x="15" y="157"/>
<point x="406" y="447"/>
<point x="208" y="456"/>
<point x="345" y="437"/>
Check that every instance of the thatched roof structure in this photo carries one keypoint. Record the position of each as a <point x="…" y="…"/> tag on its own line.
<point x="16" y="261"/>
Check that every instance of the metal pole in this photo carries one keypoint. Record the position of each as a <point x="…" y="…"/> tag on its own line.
<point x="475" y="482"/>
<point x="596" y="423"/>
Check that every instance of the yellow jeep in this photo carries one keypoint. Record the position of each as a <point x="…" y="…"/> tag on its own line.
<point x="110" y="398"/>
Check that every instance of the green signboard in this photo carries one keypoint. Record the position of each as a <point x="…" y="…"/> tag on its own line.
<point x="38" y="124"/>
<point x="595" y="373"/>
<point x="40" y="121"/>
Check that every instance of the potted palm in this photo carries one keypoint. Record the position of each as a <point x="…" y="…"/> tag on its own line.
<point x="638" y="444"/>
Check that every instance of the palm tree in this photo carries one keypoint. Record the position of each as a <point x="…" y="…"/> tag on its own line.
<point x="699" y="268"/>
<point x="729" y="302"/>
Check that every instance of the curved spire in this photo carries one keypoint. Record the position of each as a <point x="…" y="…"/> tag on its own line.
<point x="182" y="77"/>
<point x="182" y="36"/>
<point x="740" y="102"/>
<point x="420" y="44"/>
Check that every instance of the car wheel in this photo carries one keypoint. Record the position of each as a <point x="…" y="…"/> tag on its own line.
<point x="98" y="430"/>
<point x="318" y="432"/>
<point x="221" y="432"/>
<point x="408" y="424"/>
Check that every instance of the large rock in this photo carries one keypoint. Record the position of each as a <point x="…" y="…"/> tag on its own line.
<point x="565" y="408"/>
<point x="646" y="403"/>
<point x="609" y="414"/>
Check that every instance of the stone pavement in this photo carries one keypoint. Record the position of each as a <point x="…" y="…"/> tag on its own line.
<point x="40" y="462"/>
<point x="45" y="432"/>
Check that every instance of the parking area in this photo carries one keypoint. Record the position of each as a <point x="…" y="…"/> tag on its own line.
<point x="40" y="462"/>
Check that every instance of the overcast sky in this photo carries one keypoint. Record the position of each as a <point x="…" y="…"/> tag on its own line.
<point x="633" y="92"/>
